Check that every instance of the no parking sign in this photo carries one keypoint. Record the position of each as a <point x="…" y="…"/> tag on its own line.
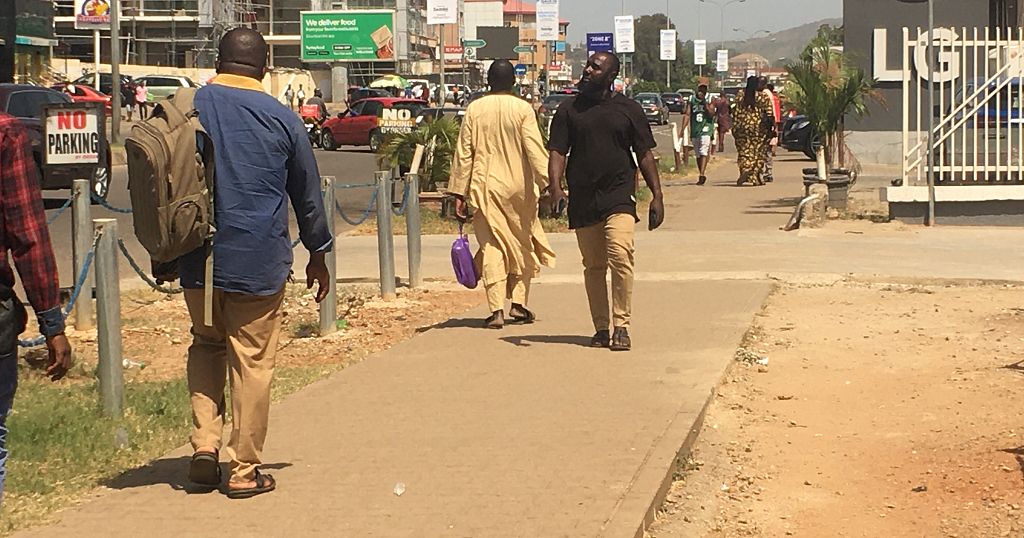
<point x="74" y="136"/>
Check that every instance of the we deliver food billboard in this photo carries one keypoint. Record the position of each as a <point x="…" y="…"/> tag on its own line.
<point x="354" y="36"/>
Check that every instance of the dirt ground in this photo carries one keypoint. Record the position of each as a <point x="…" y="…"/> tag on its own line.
<point x="865" y="410"/>
<point x="155" y="328"/>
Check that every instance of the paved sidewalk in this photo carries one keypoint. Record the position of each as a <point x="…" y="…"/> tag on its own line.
<point x="524" y="432"/>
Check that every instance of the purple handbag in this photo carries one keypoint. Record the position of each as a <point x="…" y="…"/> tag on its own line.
<point x="462" y="261"/>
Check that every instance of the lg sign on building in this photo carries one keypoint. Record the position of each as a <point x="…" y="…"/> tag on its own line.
<point x="72" y="136"/>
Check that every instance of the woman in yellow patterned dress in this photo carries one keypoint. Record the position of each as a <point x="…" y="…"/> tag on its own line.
<point x="750" y="131"/>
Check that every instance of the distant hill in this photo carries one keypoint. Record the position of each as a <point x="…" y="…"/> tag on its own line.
<point x="786" y="44"/>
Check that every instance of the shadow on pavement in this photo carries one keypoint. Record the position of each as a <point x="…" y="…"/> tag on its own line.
<point x="465" y="323"/>
<point x="1018" y="454"/>
<point x="568" y="340"/>
<point x="174" y="473"/>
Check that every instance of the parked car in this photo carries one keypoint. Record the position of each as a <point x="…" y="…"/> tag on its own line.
<point x="549" y="106"/>
<point x="85" y="94"/>
<point x="369" y="121"/>
<point x="674" y="102"/>
<point x="431" y="114"/>
<point x="162" y="86"/>
<point x="799" y="135"/>
<point x="26" y="103"/>
<point x="654" y="107"/>
<point x="358" y="94"/>
<point x="686" y="93"/>
<point x="107" y="84"/>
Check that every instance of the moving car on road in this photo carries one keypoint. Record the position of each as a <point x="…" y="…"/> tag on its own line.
<point x="673" y="101"/>
<point x="654" y="107"/>
<point x="549" y="106"/>
<point x="369" y="121"/>
<point x="85" y="94"/>
<point x="107" y="84"/>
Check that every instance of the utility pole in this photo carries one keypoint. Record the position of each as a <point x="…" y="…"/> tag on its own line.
<point x="115" y="74"/>
<point x="668" y="63"/>
<point x="444" y="90"/>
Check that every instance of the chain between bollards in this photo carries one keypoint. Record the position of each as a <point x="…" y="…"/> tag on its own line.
<point x="329" y="306"/>
<point x="413" y="228"/>
<point x="385" y="237"/>
<point x="108" y="319"/>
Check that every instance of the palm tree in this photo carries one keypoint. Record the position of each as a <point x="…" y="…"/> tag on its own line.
<point x="442" y="134"/>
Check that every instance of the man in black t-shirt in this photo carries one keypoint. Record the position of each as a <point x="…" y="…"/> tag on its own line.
<point x="600" y="131"/>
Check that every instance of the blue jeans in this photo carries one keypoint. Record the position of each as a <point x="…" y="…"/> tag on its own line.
<point x="8" y="384"/>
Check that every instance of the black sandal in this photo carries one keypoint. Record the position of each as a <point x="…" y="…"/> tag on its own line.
<point x="520" y="314"/>
<point x="205" y="469"/>
<point x="265" y="483"/>
<point x="495" y="321"/>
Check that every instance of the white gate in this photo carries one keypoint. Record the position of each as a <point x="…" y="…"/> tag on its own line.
<point x="979" y="110"/>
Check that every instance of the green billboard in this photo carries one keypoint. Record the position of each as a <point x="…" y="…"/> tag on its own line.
<point x="339" y="36"/>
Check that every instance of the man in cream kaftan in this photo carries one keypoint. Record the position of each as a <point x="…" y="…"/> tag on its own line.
<point x="500" y="169"/>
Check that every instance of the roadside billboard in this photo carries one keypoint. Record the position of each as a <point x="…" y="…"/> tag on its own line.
<point x="353" y="36"/>
<point x="603" y="42"/>
<point x="668" y="45"/>
<point x="624" y="34"/>
<point x="547" y="20"/>
<point x="92" y="14"/>
<point x="499" y="43"/>
<point x="722" y="64"/>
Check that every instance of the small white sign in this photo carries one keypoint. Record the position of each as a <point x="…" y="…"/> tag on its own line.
<point x="700" y="52"/>
<point x="72" y="136"/>
<point x="547" y="20"/>
<point x="92" y="14"/>
<point x="668" y="45"/>
<point x="624" y="34"/>
<point x="723" y="61"/>
<point x="442" y="11"/>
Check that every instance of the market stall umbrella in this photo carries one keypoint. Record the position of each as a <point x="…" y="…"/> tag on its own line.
<point x="389" y="81"/>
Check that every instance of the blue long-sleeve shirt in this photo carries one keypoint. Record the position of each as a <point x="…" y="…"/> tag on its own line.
<point x="263" y="159"/>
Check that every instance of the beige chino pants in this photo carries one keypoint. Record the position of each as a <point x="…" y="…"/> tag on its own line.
<point x="242" y="340"/>
<point x="609" y="245"/>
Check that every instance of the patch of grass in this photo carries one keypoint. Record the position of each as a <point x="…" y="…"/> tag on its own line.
<point x="61" y="446"/>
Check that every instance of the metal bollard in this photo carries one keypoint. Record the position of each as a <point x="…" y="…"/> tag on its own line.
<point x="385" y="239"/>
<point x="82" y="234"/>
<point x="329" y="306"/>
<point x="413" y="230"/>
<point x="108" y="309"/>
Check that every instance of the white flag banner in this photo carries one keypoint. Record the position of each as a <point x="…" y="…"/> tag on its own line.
<point x="668" y="45"/>
<point x="624" y="34"/>
<point x="700" y="52"/>
<point x="442" y="11"/>
<point x="723" y="61"/>
<point x="547" y="20"/>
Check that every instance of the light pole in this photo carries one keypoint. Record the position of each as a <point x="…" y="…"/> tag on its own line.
<point x="931" y="107"/>
<point x="750" y="35"/>
<point x="668" y="63"/>
<point x="721" y="9"/>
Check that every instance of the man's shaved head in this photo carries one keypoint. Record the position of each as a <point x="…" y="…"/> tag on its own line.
<point x="501" y="76"/>
<point x="242" y="51"/>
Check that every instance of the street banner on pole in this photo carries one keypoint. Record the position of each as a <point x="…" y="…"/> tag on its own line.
<point x="603" y="42"/>
<point x="668" y="45"/>
<point x="92" y="14"/>
<point x="442" y="11"/>
<point x="723" y="60"/>
<point x="547" y="20"/>
<point x="700" y="52"/>
<point x="338" y="36"/>
<point x="624" y="34"/>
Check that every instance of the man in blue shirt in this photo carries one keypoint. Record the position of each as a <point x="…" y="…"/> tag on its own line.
<point x="263" y="159"/>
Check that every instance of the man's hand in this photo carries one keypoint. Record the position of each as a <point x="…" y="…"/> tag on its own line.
<point x="60" y="356"/>
<point x="316" y="271"/>
<point x="657" y="213"/>
<point x="558" y="198"/>
<point x="461" y="209"/>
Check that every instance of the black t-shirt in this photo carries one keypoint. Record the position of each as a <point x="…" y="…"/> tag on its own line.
<point x="600" y="138"/>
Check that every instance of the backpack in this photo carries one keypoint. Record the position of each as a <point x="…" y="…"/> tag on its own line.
<point x="170" y="179"/>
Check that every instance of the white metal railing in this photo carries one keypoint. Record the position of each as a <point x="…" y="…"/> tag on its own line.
<point x="979" y="116"/>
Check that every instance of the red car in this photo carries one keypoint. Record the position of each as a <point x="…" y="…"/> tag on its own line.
<point x="369" y="121"/>
<point x="84" y="94"/>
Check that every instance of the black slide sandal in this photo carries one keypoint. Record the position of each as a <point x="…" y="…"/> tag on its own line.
<point x="205" y="469"/>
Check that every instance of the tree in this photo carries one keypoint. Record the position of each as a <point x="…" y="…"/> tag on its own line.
<point x="646" y="63"/>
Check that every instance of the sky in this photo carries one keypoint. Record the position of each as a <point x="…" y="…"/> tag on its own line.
<point x="752" y="16"/>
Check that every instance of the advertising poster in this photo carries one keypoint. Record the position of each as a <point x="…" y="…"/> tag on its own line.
<point x="92" y="14"/>
<point x="668" y="45"/>
<point x="442" y="11"/>
<point x="547" y="20"/>
<point x="700" y="52"/>
<point x="603" y="42"/>
<point x="338" y="36"/>
<point x="624" y="34"/>
<point x="723" y="61"/>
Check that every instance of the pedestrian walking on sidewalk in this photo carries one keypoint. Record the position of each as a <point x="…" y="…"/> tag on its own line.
<point x="601" y="131"/>
<point x="263" y="159"/>
<point x="289" y="97"/>
<point x="751" y="124"/>
<point x="776" y="128"/>
<point x="500" y="169"/>
<point x="723" y="119"/>
<point x="141" y="99"/>
<point x="700" y="115"/>
<point x="24" y="238"/>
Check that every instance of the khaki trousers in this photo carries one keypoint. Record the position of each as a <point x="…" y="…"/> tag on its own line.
<point x="515" y="288"/>
<point x="242" y="340"/>
<point x="605" y="245"/>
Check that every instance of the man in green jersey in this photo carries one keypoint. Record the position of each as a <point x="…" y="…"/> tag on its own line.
<point x="700" y="114"/>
